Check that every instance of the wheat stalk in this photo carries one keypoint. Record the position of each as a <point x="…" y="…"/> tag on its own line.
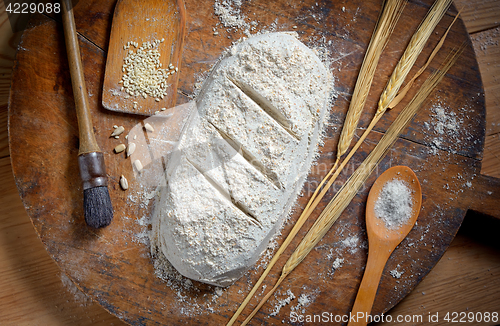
<point x="392" y="10"/>
<point x="403" y="62"/>
<point x="345" y="195"/>
<point x="396" y="99"/>
<point x="387" y="20"/>
<point x="411" y="53"/>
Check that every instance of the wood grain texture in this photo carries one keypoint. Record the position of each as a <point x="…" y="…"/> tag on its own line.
<point x="491" y="162"/>
<point x="480" y="15"/>
<point x="486" y="45"/>
<point x="485" y="197"/>
<point x="34" y="290"/>
<point x="466" y="279"/>
<point x="488" y="58"/>
<point x="4" y="137"/>
<point x="451" y="286"/>
<point x="8" y="44"/>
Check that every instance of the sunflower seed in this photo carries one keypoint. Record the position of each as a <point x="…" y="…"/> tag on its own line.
<point x="123" y="182"/>
<point x="130" y="149"/>
<point x="138" y="165"/>
<point x="120" y="148"/>
<point x="118" y="131"/>
<point x="148" y="127"/>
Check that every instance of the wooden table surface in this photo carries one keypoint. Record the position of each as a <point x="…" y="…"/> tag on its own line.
<point x="35" y="292"/>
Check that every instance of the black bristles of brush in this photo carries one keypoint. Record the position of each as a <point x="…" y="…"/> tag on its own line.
<point x="97" y="208"/>
<point x="97" y="205"/>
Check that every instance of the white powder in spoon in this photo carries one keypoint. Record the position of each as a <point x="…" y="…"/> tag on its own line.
<point x="394" y="204"/>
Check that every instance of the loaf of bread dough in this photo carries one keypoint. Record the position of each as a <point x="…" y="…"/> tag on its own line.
<point x="242" y="158"/>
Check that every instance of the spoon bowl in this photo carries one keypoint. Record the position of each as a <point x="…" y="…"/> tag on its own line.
<point x="383" y="239"/>
<point x="375" y="226"/>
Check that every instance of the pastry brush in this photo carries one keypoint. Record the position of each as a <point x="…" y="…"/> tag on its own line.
<point x="98" y="210"/>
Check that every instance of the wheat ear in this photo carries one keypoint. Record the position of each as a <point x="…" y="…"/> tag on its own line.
<point x="391" y="12"/>
<point x="411" y="53"/>
<point x="388" y="99"/>
<point x="316" y="199"/>
<point x="345" y="195"/>
<point x="358" y="101"/>
<point x="377" y="117"/>
<point x="402" y="93"/>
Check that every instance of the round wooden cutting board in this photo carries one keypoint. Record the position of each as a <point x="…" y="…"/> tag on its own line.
<point x="114" y="266"/>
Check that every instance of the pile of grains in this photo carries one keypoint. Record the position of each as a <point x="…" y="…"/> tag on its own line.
<point x="394" y="204"/>
<point x="143" y="74"/>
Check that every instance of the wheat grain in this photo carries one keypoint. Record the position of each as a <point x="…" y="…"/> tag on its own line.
<point x="391" y="12"/>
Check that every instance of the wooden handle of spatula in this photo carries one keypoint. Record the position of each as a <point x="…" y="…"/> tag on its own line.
<point x="88" y="142"/>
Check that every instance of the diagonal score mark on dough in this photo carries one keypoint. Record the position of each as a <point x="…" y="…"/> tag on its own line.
<point x="265" y="105"/>
<point x="227" y="195"/>
<point x="270" y="175"/>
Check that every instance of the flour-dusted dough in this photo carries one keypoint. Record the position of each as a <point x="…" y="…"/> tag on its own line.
<point x="242" y="158"/>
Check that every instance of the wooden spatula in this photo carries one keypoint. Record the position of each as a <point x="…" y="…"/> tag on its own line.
<point x="136" y="22"/>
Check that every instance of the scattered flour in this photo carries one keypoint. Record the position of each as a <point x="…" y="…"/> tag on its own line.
<point x="486" y="40"/>
<point x="445" y="129"/>
<point x="282" y="302"/>
<point x="445" y="122"/>
<point x="337" y="263"/>
<point x="230" y="16"/>
<point x="80" y="297"/>
<point x="396" y="274"/>
<point x="303" y="301"/>
<point x="351" y="243"/>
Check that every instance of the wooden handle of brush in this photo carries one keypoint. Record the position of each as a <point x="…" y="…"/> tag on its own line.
<point x="88" y="142"/>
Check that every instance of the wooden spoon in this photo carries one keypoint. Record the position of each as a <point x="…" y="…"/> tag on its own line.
<point x="382" y="240"/>
<point x="141" y="21"/>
